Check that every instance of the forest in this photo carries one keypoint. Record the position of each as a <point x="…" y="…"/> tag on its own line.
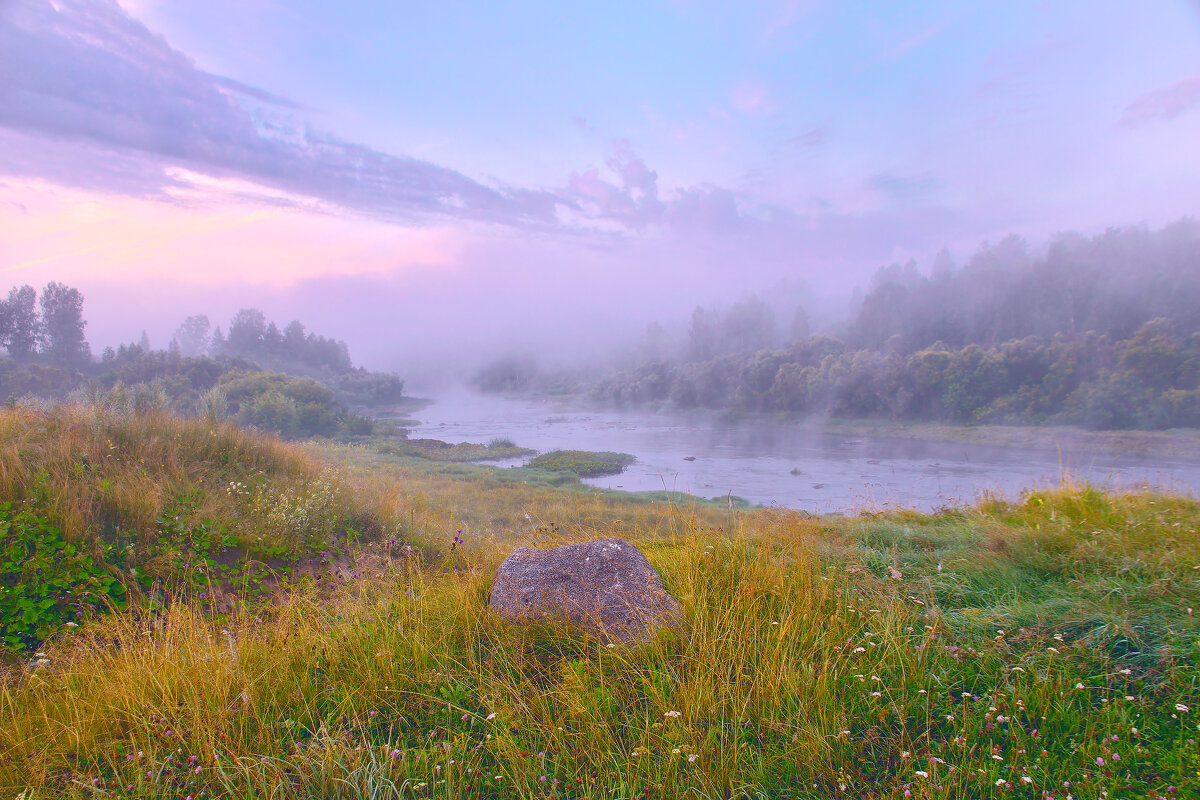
<point x="1101" y="332"/>
<point x="288" y="380"/>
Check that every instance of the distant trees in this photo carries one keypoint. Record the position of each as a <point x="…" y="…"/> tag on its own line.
<point x="51" y="325"/>
<point x="62" y="326"/>
<point x="745" y="327"/>
<point x="192" y="337"/>
<point x="252" y="337"/>
<point x="1110" y="284"/>
<point x="1101" y="331"/>
<point x="20" y="326"/>
<point x="50" y="357"/>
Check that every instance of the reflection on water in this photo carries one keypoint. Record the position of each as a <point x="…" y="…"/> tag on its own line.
<point x="774" y="464"/>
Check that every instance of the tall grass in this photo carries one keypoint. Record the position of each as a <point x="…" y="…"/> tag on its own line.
<point x="1045" y="648"/>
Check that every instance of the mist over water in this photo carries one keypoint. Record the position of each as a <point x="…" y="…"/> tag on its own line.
<point x="755" y="460"/>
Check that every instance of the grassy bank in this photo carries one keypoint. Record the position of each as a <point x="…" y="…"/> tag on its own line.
<point x="1045" y="648"/>
<point x="100" y="508"/>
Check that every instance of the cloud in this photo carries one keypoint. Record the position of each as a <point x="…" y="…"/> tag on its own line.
<point x="786" y="14"/>
<point x="913" y="41"/>
<point x="813" y="137"/>
<point x="633" y="203"/>
<point x="750" y="96"/>
<point x="1166" y="103"/>
<point x="904" y="188"/>
<point x="93" y="99"/>
<point x="255" y="93"/>
<point x="88" y="74"/>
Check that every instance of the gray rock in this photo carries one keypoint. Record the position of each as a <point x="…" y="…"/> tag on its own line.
<point x="606" y="585"/>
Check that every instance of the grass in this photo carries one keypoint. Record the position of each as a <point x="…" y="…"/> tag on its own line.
<point x="498" y="449"/>
<point x="584" y="463"/>
<point x="164" y="505"/>
<point x="1000" y="651"/>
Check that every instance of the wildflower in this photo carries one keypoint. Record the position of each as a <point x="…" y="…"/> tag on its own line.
<point x="1116" y="756"/>
<point x="1079" y="686"/>
<point x="491" y="716"/>
<point x="692" y="757"/>
<point x="1052" y="649"/>
<point x="672" y="714"/>
<point x="860" y="649"/>
<point x="1181" y="707"/>
<point x="1026" y="779"/>
<point x="675" y="751"/>
<point x="1000" y="781"/>
<point x="72" y="624"/>
<point x="922" y="773"/>
<point x="1099" y="761"/>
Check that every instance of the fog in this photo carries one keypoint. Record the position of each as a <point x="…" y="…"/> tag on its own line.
<point x="440" y="213"/>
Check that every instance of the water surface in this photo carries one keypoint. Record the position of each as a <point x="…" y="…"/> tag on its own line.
<point x="777" y="464"/>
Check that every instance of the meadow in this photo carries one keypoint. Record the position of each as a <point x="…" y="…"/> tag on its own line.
<point x="300" y="621"/>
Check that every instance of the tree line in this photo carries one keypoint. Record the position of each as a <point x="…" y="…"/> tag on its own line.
<point x="1099" y="331"/>
<point x="283" y="379"/>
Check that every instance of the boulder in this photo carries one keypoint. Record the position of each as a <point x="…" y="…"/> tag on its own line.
<point x="606" y="586"/>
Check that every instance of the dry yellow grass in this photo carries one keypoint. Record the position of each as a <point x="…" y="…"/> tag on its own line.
<point x="990" y="652"/>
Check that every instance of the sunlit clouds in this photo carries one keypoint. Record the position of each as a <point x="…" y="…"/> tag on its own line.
<point x="219" y="232"/>
<point x="623" y="162"/>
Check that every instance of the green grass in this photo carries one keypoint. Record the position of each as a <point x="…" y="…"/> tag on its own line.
<point x="584" y="463"/>
<point x="986" y="652"/>
<point x="498" y="449"/>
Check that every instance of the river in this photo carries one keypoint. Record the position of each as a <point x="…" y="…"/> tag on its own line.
<point x="771" y="463"/>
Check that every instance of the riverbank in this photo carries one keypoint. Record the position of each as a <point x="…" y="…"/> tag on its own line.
<point x="820" y="466"/>
<point x="1178" y="443"/>
<point x="997" y="650"/>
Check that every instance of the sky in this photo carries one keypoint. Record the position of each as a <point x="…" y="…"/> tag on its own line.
<point x="440" y="181"/>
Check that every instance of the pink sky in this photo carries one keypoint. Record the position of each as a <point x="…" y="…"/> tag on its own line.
<point x="462" y="186"/>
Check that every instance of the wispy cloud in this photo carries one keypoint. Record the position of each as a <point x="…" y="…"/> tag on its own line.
<point x="785" y="14"/>
<point x="90" y="74"/>
<point x="1166" y="103"/>
<point x="813" y="137"/>
<point x="750" y="96"/>
<point x="913" y="41"/>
